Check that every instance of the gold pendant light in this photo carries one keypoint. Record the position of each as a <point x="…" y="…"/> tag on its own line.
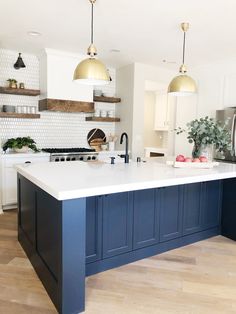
<point x="91" y="71"/>
<point x="182" y="85"/>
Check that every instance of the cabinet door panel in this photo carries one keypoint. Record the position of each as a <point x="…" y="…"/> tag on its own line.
<point x="192" y="208"/>
<point x="9" y="186"/>
<point x="161" y="111"/>
<point x="145" y="218"/>
<point x="212" y="204"/>
<point x="117" y="224"/>
<point x="48" y="222"/>
<point x="93" y="229"/>
<point x="27" y="219"/>
<point x="170" y="213"/>
<point x="228" y="209"/>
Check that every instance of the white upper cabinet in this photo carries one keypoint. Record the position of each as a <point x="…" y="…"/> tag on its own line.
<point x="161" y="122"/>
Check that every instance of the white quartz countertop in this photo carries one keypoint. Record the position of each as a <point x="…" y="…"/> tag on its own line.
<point x="81" y="179"/>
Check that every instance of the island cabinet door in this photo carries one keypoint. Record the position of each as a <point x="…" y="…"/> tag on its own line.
<point x="211" y="203"/>
<point x="192" y="208"/>
<point x="93" y="228"/>
<point x="27" y="213"/>
<point x="117" y="223"/>
<point x="146" y="228"/>
<point x="170" y="213"/>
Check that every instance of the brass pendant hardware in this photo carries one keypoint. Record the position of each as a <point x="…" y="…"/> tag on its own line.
<point x="183" y="68"/>
<point x="182" y="84"/>
<point x="92" y="50"/>
<point x="185" y="27"/>
<point x="91" y="71"/>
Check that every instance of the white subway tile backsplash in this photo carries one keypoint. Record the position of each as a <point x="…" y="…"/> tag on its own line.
<point x="53" y="129"/>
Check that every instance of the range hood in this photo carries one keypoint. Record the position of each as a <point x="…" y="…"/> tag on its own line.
<point x="58" y="90"/>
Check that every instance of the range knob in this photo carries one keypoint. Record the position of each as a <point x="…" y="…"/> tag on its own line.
<point x="73" y="158"/>
<point x="94" y="158"/>
<point x="81" y="158"/>
<point x="89" y="158"/>
<point x="57" y="159"/>
<point x="67" y="158"/>
<point x="62" y="159"/>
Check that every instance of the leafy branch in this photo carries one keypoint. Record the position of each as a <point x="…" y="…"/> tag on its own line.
<point x="206" y="131"/>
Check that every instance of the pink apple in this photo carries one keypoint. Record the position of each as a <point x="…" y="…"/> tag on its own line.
<point x="188" y="159"/>
<point x="180" y="158"/>
<point x="203" y="159"/>
<point x="196" y="160"/>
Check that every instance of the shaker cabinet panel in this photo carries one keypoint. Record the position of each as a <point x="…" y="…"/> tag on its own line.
<point x="9" y="189"/>
<point x="93" y="228"/>
<point x="146" y="231"/>
<point x="192" y="208"/>
<point x="161" y="122"/>
<point x="117" y="224"/>
<point x="47" y="222"/>
<point x="212" y="201"/>
<point x="27" y="213"/>
<point x="170" y="213"/>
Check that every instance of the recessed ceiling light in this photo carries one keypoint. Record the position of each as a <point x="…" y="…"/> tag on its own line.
<point x="34" y="34"/>
<point x="115" y="50"/>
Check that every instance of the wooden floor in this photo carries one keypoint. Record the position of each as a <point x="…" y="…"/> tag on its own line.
<point x="196" y="279"/>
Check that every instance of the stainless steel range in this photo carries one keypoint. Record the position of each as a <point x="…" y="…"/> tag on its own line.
<point x="71" y="154"/>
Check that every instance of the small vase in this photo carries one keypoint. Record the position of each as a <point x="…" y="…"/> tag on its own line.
<point x="196" y="152"/>
<point x="13" y="85"/>
<point x="203" y="150"/>
<point x="207" y="151"/>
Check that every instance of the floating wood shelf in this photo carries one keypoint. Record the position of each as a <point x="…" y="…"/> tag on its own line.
<point x="101" y="119"/>
<point x="106" y="99"/>
<point x="19" y="91"/>
<point x="65" y="105"/>
<point x="19" y="115"/>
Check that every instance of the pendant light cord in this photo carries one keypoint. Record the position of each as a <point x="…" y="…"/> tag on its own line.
<point x="92" y="23"/>
<point x="184" y="48"/>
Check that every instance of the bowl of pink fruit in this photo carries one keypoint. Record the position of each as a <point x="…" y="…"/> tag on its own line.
<point x="188" y="162"/>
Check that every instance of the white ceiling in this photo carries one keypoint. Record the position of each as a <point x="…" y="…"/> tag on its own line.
<point x="144" y="31"/>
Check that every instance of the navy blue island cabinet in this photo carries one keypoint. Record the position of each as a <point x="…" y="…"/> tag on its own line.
<point x="71" y="239"/>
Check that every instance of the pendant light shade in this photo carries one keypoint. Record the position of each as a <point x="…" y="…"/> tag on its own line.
<point x="91" y="71"/>
<point x="182" y="85"/>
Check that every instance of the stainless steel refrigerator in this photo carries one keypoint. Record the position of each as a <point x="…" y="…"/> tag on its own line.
<point x="223" y="115"/>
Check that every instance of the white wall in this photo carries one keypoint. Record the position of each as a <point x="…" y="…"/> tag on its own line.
<point x="131" y="85"/>
<point x="53" y="129"/>
<point x="124" y="110"/>
<point x="144" y="73"/>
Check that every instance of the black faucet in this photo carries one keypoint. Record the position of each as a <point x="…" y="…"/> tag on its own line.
<point x="126" y="156"/>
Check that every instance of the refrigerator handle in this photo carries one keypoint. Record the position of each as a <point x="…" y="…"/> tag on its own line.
<point x="233" y="138"/>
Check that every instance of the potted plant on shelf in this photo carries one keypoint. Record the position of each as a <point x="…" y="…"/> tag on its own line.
<point x="206" y="134"/>
<point x="12" y="83"/>
<point x="20" y="144"/>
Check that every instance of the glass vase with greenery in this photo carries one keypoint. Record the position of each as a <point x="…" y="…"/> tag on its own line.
<point x="207" y="131"/>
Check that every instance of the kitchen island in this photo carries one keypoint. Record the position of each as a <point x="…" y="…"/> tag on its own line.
<point x="78" y="219"/>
